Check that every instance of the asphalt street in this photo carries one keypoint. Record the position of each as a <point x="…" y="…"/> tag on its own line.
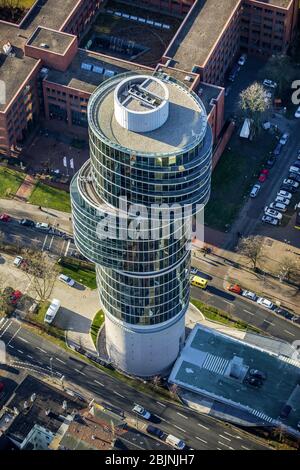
<point x="28" y="351"/>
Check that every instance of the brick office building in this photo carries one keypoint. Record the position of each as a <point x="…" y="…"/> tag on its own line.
<point x="45" y="72"/>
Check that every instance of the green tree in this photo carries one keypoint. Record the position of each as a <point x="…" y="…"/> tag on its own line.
<point x="254" y="103"/>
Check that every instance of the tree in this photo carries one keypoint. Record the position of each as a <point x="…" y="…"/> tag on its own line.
<point x="174" y="390"/>
<point x="156" y="381"/>
<point x="254" y="103"/>
<point x="42" y="274"/>
<point x="289" y="269"/>
<point x="252" y="248"/>
<point x="280" y="69"/>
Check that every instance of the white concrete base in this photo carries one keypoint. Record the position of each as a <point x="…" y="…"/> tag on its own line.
<point x="144" y="351"/>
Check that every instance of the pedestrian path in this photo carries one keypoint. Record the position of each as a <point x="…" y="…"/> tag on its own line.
<point x="25" y="190"/>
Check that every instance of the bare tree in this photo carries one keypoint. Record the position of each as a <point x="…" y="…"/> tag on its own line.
<point x="156" y="381"/>
<point x="252" y="248"/>
<point x="42" y="273"/>
<point x="254" y="103"/>
<point x="289" y="269"/>
<point x="174" y="389"/>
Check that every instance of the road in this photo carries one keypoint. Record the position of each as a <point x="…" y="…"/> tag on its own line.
<point x="30" y="352"/>
<point x="26" y="236"/>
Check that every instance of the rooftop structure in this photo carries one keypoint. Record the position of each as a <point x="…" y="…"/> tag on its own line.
<point x="219" y="367"/>
<point x="50" y="40"/>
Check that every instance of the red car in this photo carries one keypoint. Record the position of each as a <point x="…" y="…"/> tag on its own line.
<point x="263" y="176"/>
<point x="235" y="288"/>
<point x="16" y="296"/>
<point x="5" y="218"/>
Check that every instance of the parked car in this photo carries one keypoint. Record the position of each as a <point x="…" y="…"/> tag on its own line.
<point x="273" y="213"/>
<point x="175" y="442"/>
<point x="265" y="303"/>
<point x="242" y="59"/>
<point x="18" y="261"/>
<point x="294" y="169"/>
<point x="269" y="83"/>
<point x="5" y="218"/>
<point x="42" y="226"/>
<point x="263" y="175"/>
<point x="140" y="410"/>
<point x="297" y="113"/>
<point x="284" y="138"/>
<point x="271" y="162"/>
<point x="294" y="177"/>
<point x="27" y="222"/>
<point x="66" y="280"/>
<point x="284" y="194"/>
<point x="290" y="182"/>
<point x="269" y="220"/>
<point x="15" y="297"/>
<point x="255" y="190"/>
<point x="258" y="374"/>
<point x="156" y="432"/>
<point x="235" y="288"/>
<point x="282" y="200"/>
<point x="249" y="295"/>
<point x="278" y="206"/>
<point x="284" y="313"/>
<point x="296" y="163"/>
<point x="288" y="188"/>
<point x="277" y="150"/>
<point x="195" y="271"/>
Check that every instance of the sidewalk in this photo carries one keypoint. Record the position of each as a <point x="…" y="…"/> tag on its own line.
<point x="24" y="210"/>
<point x="25" y="190"/>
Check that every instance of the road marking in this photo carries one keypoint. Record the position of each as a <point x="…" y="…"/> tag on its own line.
<point x="185" y="417"/>
<point x="59" y="360"/>
<point x="4" y="321"/>
<point x="161" y="404"/>
<point x="244" y="447"/>
<point x="119" y="394"/>
<point x="50" y="244"/>
<point x="22" y="339"/>
<point x="163" y="419"/>
<point x="231" y="435"/>
<point x="30" y="357"/>
<point x="46" y="238"/>
<point x="21" y="352"/>
<point x="223" y="437"/>
<point x="288" y="332"/>
<point x="202" y="426"/>
<point x="67" y="249"/>
<point x="79" y="372"/>
<point x="202" y="440"/>
<point x="99" y="383"/>
<point x="225" y="445"/>
<point x="14" y="335"/>
<point x="267" y="321"/>
<point x="4" y="331"/>
<point x="12" y="347"/>
<point x="40" y="349"/>
<point x="247" y="311"/>
<point x="183" y="430"/>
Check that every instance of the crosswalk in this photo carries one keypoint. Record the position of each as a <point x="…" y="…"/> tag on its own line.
<point x="215" y="364"/>
<point x="262" y="416"/>
<point x="289" y="360"/>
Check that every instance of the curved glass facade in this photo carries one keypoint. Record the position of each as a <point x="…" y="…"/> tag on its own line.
<point x="142" y="281"/>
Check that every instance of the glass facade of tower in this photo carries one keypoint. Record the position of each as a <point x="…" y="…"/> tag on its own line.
<point x="140" y="281"/>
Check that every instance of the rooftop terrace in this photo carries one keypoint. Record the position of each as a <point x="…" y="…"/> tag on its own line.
<point x="53" y="41"/>
<point x="205" y="364"/>
<point x="200" y="31"/>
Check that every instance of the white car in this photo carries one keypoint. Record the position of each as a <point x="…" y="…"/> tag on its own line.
<point x="249" y="295"/>
<point x="285" y="194"/>
<point x="278" y="206"/>
<point x="255" y="190"/>
<point x="265" y="303"/>
<point x="242" y="59"/>
<point x="42" y="226"/>
<point x="290" y="182"/>
<point x="269" y="83"/>
<point x="269" y="220"/>
<point x="284" y="138"/>
<point x="66" y="280"/>
<point x="294" y="169"/>
<point x="297" y="113"/>
<point x="140" y="410"/>
<point x="273" y="213"/>
<point x="18" y="261"/>
<point x="283" y="200"/>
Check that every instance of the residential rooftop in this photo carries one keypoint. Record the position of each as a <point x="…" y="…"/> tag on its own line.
<point x="198" y="35"/>
<point x="207" y="363"/>
<point x="50" y="40"/>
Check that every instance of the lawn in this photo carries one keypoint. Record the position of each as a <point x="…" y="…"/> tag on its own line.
<point x="38" y="319"/>
<point x="80" y="271"/>
<point x="10" y="181"/>
<point x="233" y="178"/>
<point x="52" y="198"/>
<point x="213" y="313"/>
<point x="96" y="325"/>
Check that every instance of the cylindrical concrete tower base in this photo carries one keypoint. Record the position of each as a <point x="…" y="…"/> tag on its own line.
<point x="144" y="352"/>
